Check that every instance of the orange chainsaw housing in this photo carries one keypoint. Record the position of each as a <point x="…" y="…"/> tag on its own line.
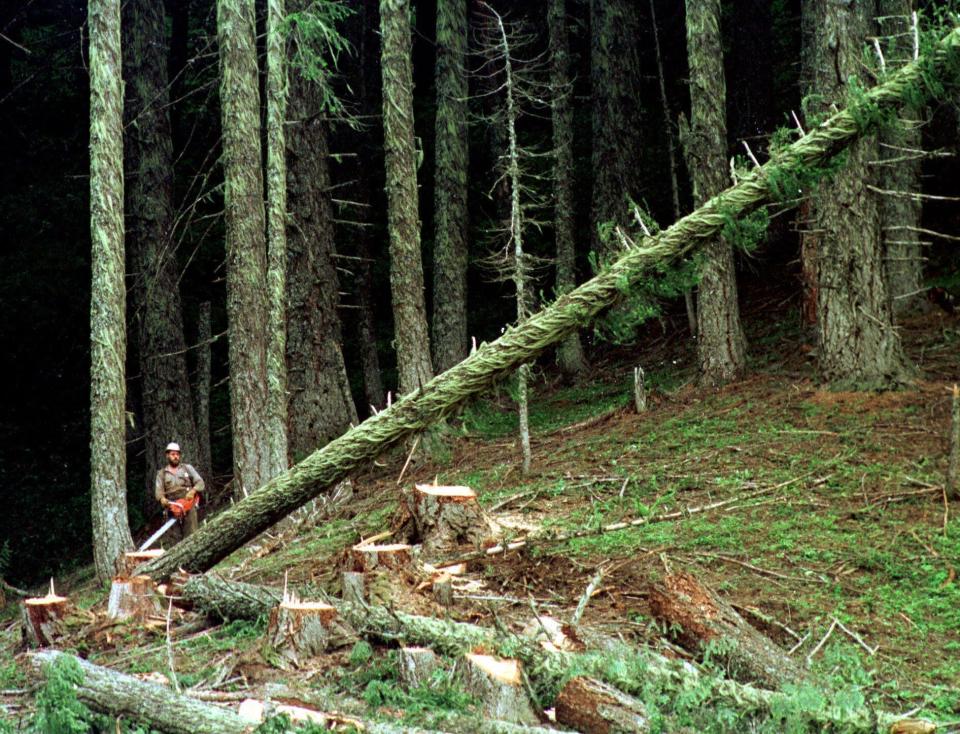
<point x="180" y="508"/>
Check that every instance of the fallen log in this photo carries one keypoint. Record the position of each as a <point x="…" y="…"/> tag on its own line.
<point x="416" y="411"/>
<point x="700" y="621"/>
<point x="548" y="671"/>
<point x="109" y="692"/>
<point x="592" y="707"/>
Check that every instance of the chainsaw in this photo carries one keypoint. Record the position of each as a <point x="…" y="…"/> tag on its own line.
<point x="178" y="510"/>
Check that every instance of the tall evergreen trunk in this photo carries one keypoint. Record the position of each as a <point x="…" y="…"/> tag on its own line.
<point x="450" y="193"/>
<point x="108" y="336"/>
<point x="276" y="436"/>
<point x="858" y="346"/>
<point x="720" y="342"/>
<point x="614" y="75"/>
<point x="201" y="390"/>
<point x="246" y="243"/>
<point x="167" y="405"/>
<point x="321" y="407"/>
<point x="900" y="215"/>
<point x="570" y="352"/>
<point x="406" y="268"/>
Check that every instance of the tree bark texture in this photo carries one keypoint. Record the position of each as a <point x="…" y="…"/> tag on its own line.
<point x="230" y="529"/>
<point x="410" y="332"/>
<point x="450" y="188"/>
<point x="321" y="406"/>
<point x="168" y="413"/>
<point x="570" y="355"/>
<point x="900" y="215"/>
<point x="614" y="75"/>
<point x="720" y="342"/>
<point x="201" y="389"/>
<point x="276" y="436"/>
<point x="246" y="244"/>
<point x="593" y="707"/>
<point x="857" y="344"/>
<point x="108" y="335"/>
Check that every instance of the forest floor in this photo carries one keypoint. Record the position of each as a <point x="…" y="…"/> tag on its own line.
<point x="840" y="515"/>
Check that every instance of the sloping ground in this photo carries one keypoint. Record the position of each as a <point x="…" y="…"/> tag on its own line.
<point x="836" y="513"/>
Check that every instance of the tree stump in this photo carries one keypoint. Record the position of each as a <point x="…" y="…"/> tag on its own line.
<point x="443" y="589"/>
<point x="593" y="707"/>
<point x="352" y="587"/>
<point x="298" y="630"/>
<point x="449" y="516"/>
<point x="417" y="665"/>
<point x="43" y="619"/>
<point x="128" y="562"/>
<point x="701" y="617"/>
<point x="392" y="557"/>
<point x="132" y="598"/>
<point x="497" y="684"/>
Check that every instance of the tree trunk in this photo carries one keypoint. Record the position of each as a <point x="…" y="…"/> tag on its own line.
<point x="201" y="390"/>
<point x="132" y="597"/>
<point x="321" y="408"/>
<point x="570" y="355"/>
<point x="108" y="335"/>
<point x="229" y="530"/>
<point x="246" y="243"/>
<point x="406" y="269"/>
<point x="299" y="630"/>
<point x="900" y="215"/>
<point x="450" y="192"/>
<point x="593" y="707"/>
<point x="857" y="344"/>
<point x="167" y="403"/>
<point x="720" y="343"/>
<point x="496" y="683"/>
<point x="276" y="281"/>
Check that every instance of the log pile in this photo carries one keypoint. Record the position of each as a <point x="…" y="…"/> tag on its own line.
<point x="445" y="517"/>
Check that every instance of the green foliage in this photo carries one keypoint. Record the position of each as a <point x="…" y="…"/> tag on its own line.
<point x="361" y="653"/>
<point x="58" y="710"/>
<point x="746" y="233"/>
<point x="318" y="45"/>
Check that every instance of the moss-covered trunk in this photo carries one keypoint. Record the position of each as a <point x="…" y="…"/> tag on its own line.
<point x="720" y="342"/>
<point x="410" y="332"/>
<point x="108" y="334"/>
<point x="450" y="192"/>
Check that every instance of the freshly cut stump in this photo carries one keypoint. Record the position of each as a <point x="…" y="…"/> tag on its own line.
<point x="368" y="558"/>
<point x="352" y="587"/>
<point x="128" y="562"/>
<point x="299" y="630"/>
<point x="132" y="598"/>
<point x="449" y="516"/>
<point x="443" y="589"/>
<point x="417" y="665"/>
<point x="700" y="616"/>
<point x="43" y="619"/>
<point x="497" y="684"/>
<point x="593" y="707"/>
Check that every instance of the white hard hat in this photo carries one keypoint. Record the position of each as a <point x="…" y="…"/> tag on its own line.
<point x="173" y="446"/>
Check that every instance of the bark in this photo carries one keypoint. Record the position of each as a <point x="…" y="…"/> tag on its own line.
<point x="132" y="598"/>
<point x="367" y="558"/>
<point x="570" y="355"/>
<point x="118" y="694"/>
<point x="403" y="222"/>
<point x="230" y="529"/>
<point x="417" y="666"/>
<point x="301" y="630"/>
<point x="857" y="344"/>
<point x="720" y="342"/>
<point x="450" y="188"/>
<point x="901" y="215"/>
<point x="128" y="562"/>
<point x="108" y="336"/>
<point x="592" y="707"/>
<point x="246" y="243"/>
<point x="276" y="281"/>
<point x="43" y="620"/>
<point x="448" y="516"/>
<point x="496" y="683"/>
<point x="614" y="72"/>
<point x="321" y="407"/>
<point x="167" y="405"/>
<point x="201" y="390"/>
<point x="706" y="624"/>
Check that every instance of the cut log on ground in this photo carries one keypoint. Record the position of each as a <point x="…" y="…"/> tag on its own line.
<point x="445" y="517"/>
<point x="593" y="707"/>
<point x="393" y="557"/>
<point x="298" y="630"/>
<point x="128" y="562"/>
<point x="417" y="666"/>
<point x="43" y="619"/>
<point x="498" y="686"/>
<point x="700" y="620"/>
<point x="225" y="532"/>
<point x="132" y="598"/>
<point x="118" y="694"/>
<point x="352" y="587"/>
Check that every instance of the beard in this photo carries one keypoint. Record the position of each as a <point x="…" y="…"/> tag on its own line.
<point x="174" y="461"/>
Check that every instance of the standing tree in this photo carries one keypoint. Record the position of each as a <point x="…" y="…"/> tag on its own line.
<point x="246" y="244"/>
<point x="570" y="352"/>
<point x="168" y="413"/>
<point x="406" y="269"/>
<point x="720" y="342"/>
<point x="450" y="193"/>
<point x="108" y="336"/>
<point x="858" y="346"/>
